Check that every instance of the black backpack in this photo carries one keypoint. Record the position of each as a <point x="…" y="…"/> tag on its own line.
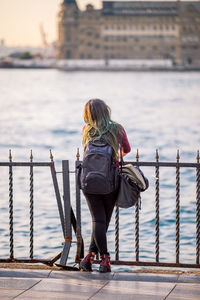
<point x="99" y="173"/>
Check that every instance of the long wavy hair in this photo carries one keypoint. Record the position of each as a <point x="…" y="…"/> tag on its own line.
<point x="97" y="116"/>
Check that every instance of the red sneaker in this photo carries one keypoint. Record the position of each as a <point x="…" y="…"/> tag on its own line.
<point x="86" y="263"/>
<point x="105" y="263"/>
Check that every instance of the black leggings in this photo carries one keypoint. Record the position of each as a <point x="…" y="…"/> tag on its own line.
<point x="101" y="208"/>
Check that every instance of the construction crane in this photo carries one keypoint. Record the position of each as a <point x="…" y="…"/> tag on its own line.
<point x="43" y="35"/>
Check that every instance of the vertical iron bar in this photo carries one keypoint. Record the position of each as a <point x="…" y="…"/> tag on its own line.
<point x="137" y="222"/>
<point x="116" y="232"/>
<point x="67" y="212"/>
<point x="11" y="207"/>
<point x="157" y="207"/>
<point x="197" y="210"/>
<point x="58" y="198"/>
<point x="78" y="204"/>
<point x="31" y="207"/>
<point x="177" y="208"/>
<point x="80" y="246"/>
<point x="66" y="198"/>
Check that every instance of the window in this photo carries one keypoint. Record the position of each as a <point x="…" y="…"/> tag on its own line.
<point x="68" y="54"/>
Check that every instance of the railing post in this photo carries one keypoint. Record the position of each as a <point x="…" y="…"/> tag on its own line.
<point x="137" y="222"/>
<point x="177" y="207"/>
<point x="11" y="207"/>
<point x="80" y="246"/>
<point x="67" y="212"/>
<point x="157" y="207"/>
<point x="116" y="232"/>
<point x="57" y="193"/>
<point x="197" y="210"/>
<point x="31" y="207"/>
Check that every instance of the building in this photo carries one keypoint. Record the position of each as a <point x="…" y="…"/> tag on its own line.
<point x="131" y="30"/>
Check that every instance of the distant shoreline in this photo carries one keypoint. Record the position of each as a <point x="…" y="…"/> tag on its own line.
<point x="108" y="69"/>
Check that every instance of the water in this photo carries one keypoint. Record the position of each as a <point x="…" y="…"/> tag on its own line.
<point x="42" y="110"/>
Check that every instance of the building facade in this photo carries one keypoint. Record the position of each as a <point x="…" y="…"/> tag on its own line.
<point x="131" y="30"/>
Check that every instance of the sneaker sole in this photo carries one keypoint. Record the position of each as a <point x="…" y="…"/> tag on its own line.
<point x="103" y="269"/>
<point x="85" y="268"/>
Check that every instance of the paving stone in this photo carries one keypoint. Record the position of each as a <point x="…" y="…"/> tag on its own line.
<point x="24" y="273"/>
<point x="70" y="287"/>
<point x="17" y="283"/>
<point x="189" y="279"/>
<point x="38" y="295"/>
<point x="185" y="292"/>
<point x="7" y="294"/>
<point x="82" y="275"/>
<point x="134" y="290"/>
<point x="146" y="277"/>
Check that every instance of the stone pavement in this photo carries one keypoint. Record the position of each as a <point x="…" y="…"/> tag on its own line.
<point x="59" y="285"/>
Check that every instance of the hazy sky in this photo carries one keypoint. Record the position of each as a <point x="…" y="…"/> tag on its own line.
<point x="20" y="20"/>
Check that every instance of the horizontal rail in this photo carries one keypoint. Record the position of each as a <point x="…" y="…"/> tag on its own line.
<point x="166" y="164"/>
<point x="162" y="164"/>
<point x="26" y="164"/>
<point x="154" y="264"/>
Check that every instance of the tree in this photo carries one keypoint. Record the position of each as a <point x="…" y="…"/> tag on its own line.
<point x="26" y="55"/>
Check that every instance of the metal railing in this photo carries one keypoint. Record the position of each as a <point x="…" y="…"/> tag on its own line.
<point x="66" y="214"/>
<point x="69" y="221"/>
<point x="157" y="165"/>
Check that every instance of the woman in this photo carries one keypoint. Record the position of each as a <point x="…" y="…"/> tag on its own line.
<point x="99" y="126"/>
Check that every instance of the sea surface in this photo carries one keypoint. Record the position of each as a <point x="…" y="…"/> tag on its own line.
<point x="43" y="110"/>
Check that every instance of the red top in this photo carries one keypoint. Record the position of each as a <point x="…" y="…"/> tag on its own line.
<point x="125" y="143"/>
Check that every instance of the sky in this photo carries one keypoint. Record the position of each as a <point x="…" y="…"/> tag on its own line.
<point x="20" y="20"/>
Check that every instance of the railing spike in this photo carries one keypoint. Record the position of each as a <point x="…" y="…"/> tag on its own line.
<point x="198" y="156"/>
<point x="157" y="155"/>
<point x="178" y="156"/>
<point x="137" y="155"/>
<point x="51" y="156"/>
<point x="31" y="156"/>
<point x="77" y="154"/>
<point x="10" y="156"/>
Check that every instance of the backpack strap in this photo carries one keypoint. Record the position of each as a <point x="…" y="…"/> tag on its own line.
<point x="121" y="157"/>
